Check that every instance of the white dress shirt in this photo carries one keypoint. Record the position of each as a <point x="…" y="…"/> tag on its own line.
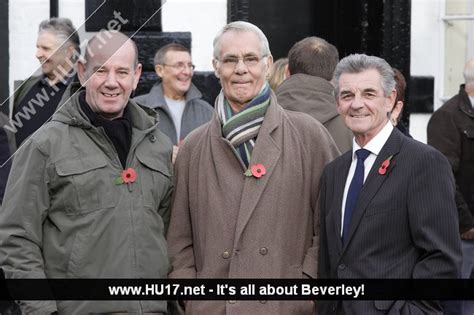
<point x="471" y="98"/>
<point x="374" y="146"/>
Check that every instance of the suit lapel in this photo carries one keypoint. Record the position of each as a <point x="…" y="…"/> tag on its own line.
<point x="375" y="180"/>
<point x="336" y="207"/>
<point x="266" y="152"/>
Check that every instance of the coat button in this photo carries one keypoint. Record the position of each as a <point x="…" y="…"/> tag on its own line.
<point x="232" y="301"/>
<point x="226" y="254"/>
<point x="263" y="251"/>
<point x="263" y="302"/>
<point x="152" y="138"/>
<point x="73" y="121"/>
<point x="342" y="266"/>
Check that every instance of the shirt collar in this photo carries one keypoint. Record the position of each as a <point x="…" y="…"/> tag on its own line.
<point x="376" y="144"/>
<point x="69" y="77"/>
<point x="471" y="98"/>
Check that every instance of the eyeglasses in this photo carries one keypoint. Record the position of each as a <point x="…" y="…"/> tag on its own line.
<point x="180" y="66"/>
<point x="249" y="61"/>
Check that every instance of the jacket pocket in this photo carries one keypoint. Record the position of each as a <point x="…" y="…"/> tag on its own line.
<point x="155" y="180"/>
<point x="468" y="145"/>
<point x="85" y="185"/>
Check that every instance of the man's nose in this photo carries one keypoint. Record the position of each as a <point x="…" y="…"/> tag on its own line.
<point x="357" y="101"/>
<point x="111" y="80"/>
<point x="39" y="53"/>
<point x="241" y="67"/>
<point x="187" y="70"/>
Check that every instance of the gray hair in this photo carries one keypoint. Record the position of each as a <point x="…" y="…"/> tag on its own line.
<point x="161" y="53"/>
<point x="64" y="30"/>
<point x="357" y="63"/>
<point x="241" y="26"/>
<point x="469" y="71"/>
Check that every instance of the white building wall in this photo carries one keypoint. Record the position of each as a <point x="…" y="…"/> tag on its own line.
<point x="427" y="52"/>
<point x="203" y="19"/>
<point x="24" y="18"/>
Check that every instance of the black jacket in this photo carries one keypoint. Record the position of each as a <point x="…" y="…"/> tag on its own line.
<point x="451" y="131"/>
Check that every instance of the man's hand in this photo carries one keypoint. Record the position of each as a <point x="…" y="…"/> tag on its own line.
<point x="468" y="235"/>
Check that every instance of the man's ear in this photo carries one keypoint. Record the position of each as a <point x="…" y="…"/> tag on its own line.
<point x="159" y="70"/>
<point x="338" y="107"/>
<point x="390" y="100"/>
<point x="287" y="72"/>
<point x="214" y="65"/>
<point x="81" y="72"/>
<point x="269" y="64"/>
<point x="136" y="75"/>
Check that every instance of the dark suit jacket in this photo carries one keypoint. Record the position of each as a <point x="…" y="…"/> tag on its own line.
<point x="404" y="225"/>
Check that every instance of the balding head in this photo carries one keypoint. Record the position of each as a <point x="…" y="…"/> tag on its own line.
<point x="469" y="72"/>
<point x="107" y="43"/>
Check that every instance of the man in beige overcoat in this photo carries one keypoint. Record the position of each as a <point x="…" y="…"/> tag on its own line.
<point x="247" y="182"/>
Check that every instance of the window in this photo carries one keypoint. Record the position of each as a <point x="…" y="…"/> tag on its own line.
<point x="458" y="42"/>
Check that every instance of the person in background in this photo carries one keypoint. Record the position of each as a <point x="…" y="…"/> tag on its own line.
<point x="176" y="99"/>
<point x="278" y="73"/>
<point x="397" y="110"/>
<point x="309" y="90"/>
<point x="451" y="131"/>
<point x="247" y="183"/>
<point x="387" y="206"/>
<point x="57" y="50"/>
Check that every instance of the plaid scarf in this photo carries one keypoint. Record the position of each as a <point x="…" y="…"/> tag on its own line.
<point x="241" y="129"/>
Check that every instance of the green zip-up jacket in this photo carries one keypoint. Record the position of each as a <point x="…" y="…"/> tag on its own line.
<point x="65" y="214"/>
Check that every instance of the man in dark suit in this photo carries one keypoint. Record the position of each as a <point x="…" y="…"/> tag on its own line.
<point x="387" y="206"/>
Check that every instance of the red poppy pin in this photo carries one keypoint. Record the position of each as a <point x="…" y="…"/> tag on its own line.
<point x="128" y="176"/>
<point x="385" y="164"/>
<point x="256" y="170"/>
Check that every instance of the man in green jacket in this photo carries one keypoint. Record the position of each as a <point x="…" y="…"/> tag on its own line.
<point x="89" y="195"/>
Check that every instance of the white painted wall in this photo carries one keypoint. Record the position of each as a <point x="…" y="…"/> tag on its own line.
<point x="203" y="19"/>
<point x="427" y="54"/>
<point x="24" y="18"/>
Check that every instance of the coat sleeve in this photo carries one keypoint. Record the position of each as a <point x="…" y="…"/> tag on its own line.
<point x="324" y="151"/>
<point x="432" y="217"/>
<point x="164" y="209"/>
<point x="4" y="162"/>
<point x="23" y="212"/>
<point x="180" y="238"/>
<point x="443" y="135"/>
<point x="323" y="258"/>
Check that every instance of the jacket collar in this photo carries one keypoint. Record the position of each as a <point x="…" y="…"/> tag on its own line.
<point x="70" y="113"/>
<point x="266" y="152"/>
<point x="156" y="98"/>
<point x="374" y="180"/>
<point x="308" y="94"/>
<point x="465" y="102"/>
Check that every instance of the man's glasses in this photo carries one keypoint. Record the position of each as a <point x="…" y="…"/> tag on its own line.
<point x="232" y="62"/>
<point x="181" y="66"/>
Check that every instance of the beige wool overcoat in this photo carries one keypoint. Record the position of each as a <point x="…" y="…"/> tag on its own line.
<point x="227" y="225"/>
